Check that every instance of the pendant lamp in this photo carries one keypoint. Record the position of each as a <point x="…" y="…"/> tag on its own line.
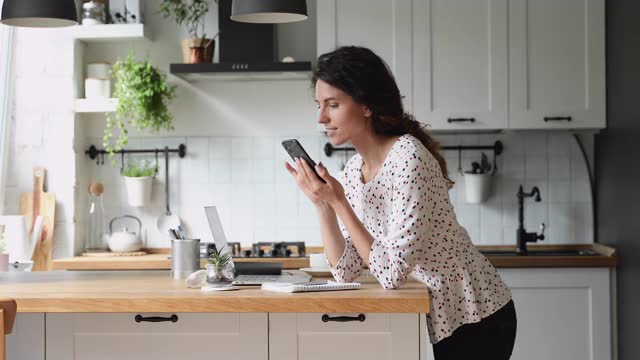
<point x="268" y="11"/>
<point x="39" y="13"/>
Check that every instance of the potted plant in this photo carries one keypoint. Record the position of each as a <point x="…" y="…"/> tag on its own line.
<point x="219" y="268"/>
<point x="138" y="178"/>
<point x="478" y="181"/>
<point x="4" y="257"/>
<point x="143" y="98"/>
<point x="191" y="14"/>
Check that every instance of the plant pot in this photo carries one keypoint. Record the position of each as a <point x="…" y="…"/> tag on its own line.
<point x="219" y="277"/>
<point x="4" y="262"/>
<point x="477" y="187"/>
<point x="138" y="190"/>
<point x="187" y="44"/>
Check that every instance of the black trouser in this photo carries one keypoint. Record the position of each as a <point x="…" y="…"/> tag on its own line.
<point x="491" y="338"/>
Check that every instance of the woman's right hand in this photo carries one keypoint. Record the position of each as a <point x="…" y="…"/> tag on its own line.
<point x="303" y="185"/>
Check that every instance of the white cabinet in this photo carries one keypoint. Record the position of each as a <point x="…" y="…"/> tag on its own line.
<point x="515" y="64"/>
<point x="384" y="26"/>
<point x="562" y="313"/>
<point x="194" y="336"/>
<point x="380" y="336"/>
<point x="556" y="64"/>
<point x="26" y="341"/>
<point x="460" y="64"/>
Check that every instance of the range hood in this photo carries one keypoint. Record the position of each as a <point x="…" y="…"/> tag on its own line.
<point x="246" y="52"/>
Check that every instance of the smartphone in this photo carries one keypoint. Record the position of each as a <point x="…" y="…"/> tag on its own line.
<point x="296" y="150"/>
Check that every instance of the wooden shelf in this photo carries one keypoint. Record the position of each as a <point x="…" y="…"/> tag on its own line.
<point x="111" y="32"/>
<point x="96" y="105"/>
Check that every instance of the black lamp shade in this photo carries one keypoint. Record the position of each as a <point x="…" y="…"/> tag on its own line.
<point x="39" y="13"/>
<point x="268" y="11"/>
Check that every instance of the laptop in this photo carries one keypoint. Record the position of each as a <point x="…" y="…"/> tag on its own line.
<point x="244" y="275"/>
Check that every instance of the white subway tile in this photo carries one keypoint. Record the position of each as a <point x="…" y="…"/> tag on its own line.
<point x="535" y="167"/>
<point x="220" y="171"/>
<point x="263" y="148"/>
<point x="264" y="171"/>
<point x="583" y="224"/>
<point x="581" y="191"/>
<point x="241" y="171"/>
<point x="240" y="148"/>
<point x="559" y="191"/>
<point x="509" y="235"/>
<point x="490" y="234"/>
<point x="310" y="236"/>
<point x="559" y="143"/>
<point x="559" y="167"/>
<point x="536" y="143"/>
<point x="220" y="148"/>
<point x="560" y="224"/>
<point x="196" y="162"/>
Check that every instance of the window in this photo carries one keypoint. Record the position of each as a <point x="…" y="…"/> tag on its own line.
<point x="6" y="89"/>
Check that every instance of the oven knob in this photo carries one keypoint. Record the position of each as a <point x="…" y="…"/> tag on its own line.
<point x="274" y="252"/>
<point x="247" y="253"/>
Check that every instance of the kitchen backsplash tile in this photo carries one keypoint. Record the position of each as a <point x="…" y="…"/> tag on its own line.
<point x="259" y="200"/>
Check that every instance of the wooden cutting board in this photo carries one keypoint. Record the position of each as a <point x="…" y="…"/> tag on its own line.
<point x="40" y="203"/>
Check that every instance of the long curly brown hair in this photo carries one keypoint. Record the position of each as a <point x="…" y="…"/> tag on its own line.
<point x="363" y="75"/>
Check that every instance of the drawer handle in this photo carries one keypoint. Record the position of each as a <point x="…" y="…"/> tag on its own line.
<point x="327" y="318"/>
<point x="452" y="120"/>
<point x="172" y="318"/>
<point x="557" y="118"/>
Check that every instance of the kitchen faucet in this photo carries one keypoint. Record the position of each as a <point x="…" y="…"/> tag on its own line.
<point x="523" y="237"/>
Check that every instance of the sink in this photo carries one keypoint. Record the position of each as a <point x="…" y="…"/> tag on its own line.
<point x="537" y="252"/>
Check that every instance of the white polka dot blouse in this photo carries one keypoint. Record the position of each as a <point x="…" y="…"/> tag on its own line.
<point x="406" y="209"/>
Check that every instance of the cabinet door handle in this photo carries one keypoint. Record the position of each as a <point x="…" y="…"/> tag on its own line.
<point x="557" y="118"/>
<point x="327" y="318"/>
<point x="172" y="318"/>
<point x="452" y="120"/>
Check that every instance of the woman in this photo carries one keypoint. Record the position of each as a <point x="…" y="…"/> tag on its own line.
<point x="392" y="211"/>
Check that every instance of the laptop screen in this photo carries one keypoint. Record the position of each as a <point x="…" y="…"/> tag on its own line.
<point x="216" y="229"/>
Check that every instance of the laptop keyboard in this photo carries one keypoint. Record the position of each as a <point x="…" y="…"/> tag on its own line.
<point x="259" y="279"/>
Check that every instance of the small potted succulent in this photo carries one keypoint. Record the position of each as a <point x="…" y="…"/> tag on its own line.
<point x="478" y="181"/>
<point x="4" y="257"/>
<point x="138" y="178"/>
<point x="219" y="268"/>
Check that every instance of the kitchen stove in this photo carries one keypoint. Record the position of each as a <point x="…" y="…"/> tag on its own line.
<point x="295" y="249"/>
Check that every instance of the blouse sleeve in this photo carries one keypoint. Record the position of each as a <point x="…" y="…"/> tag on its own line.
<point x="350" y="265"/>
<point x="393" y="257"/>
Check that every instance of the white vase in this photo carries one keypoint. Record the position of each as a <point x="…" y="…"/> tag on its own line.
<point x="138" y="190"/>
<point x="477" y="187"/>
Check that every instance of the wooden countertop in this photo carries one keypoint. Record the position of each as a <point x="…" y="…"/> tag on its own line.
<point x="154" y="262"/>
<point x="155" y="291"/>
<point x="607" y="258"/>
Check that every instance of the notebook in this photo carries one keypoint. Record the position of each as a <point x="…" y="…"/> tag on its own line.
<point x="246" y="279"/>
<point x="309" y="286"/>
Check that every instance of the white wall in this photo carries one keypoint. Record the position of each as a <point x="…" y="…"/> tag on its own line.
<point x="232" y="131"/>
<point x="42" y="126"/>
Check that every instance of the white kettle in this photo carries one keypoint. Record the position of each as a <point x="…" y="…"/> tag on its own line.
<point x="125" y="241"/>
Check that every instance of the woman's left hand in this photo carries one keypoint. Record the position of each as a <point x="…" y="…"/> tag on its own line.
<point x="331" y="191"/>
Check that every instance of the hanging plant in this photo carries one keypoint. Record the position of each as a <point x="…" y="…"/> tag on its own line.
<point x="143" y="98"/>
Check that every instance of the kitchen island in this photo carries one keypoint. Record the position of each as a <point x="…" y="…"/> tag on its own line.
<point x="143" y="314"/>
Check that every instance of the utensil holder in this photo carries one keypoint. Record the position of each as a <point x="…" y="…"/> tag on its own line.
<point x="477" y="187"/>
<point x="185" y="257"/>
